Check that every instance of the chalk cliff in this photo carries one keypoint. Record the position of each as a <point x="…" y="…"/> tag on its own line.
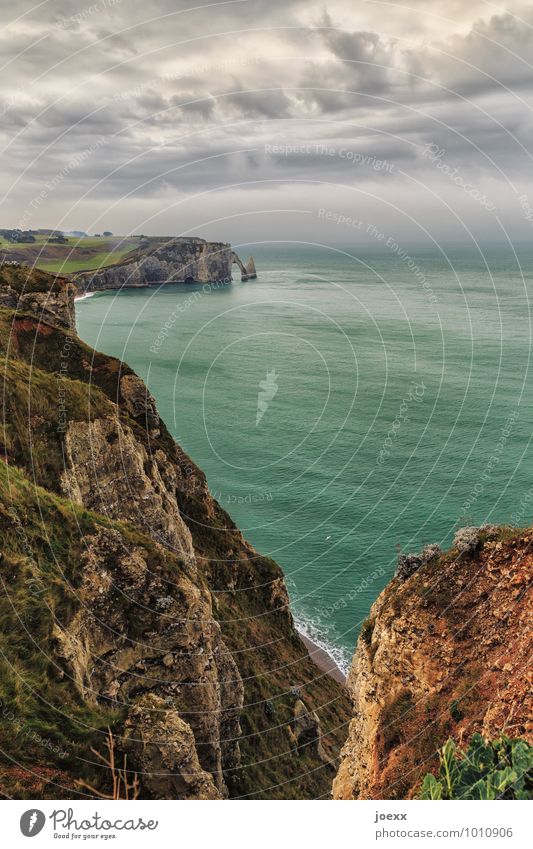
<point x="156" y="261"/>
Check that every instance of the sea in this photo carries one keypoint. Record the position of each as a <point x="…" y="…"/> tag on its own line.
<point x="349" y="405"/>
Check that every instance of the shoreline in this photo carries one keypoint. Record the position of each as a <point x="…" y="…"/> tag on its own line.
<point x="322" y="659"/>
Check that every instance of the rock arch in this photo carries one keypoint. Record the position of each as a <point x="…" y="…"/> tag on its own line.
<point x="236" y="260"/>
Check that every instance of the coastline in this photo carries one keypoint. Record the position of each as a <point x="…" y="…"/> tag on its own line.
<point x="322" y="659"/>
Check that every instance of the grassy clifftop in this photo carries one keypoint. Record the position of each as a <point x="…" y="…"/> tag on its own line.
<point x="78" y="254"/>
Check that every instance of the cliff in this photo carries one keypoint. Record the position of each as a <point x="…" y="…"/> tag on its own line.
<point x="156" y="261"/>
<point x="129" y="599"/>
<point x="51" y="299"/>
<point x="445" y="653"/>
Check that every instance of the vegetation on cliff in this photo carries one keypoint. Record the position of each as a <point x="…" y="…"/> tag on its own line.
<point x="497" y="769"/>
<point x="150" y="610"/>
<point x="69" y="255"/>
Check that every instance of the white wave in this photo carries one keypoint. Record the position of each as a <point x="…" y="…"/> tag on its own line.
<point x="315" y="633"/>
<point x="85" y="295"/>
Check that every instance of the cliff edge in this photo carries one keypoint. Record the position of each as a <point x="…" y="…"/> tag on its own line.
<point x="445" y="653"/>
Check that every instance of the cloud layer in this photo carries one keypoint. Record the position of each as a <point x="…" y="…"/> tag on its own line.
<point x="185" y="117"/>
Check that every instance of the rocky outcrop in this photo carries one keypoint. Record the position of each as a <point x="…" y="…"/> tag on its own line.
<point x="161" y="748"/>
<point x="248" y="271"/>
<point x="305" y="730"/>
<point x="138" y="631"/>
<point x="444" y="653"/>
<point x="49" y="299"/>
<point x="107" y="470"/>
<point x="139" y="403"/>
<point x="181" y="260"/>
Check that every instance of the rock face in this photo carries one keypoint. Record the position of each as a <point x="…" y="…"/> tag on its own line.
<point x="171" y="769"/>
<point x="305" y="730"/>
<point x="25" y="291"/>
<point x="248" y="271"/>
<point x="108" y="471"/>
<point x="155" y="616"/>
<point x="181" y="260"/>
<point x="444" y="653"/>
<point x="138" y="635"/>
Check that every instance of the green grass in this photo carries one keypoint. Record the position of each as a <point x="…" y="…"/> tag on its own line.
<point x="77" y="255"/>
<point x="89" y="242"/>
<point x="33" y="412"/>
<point x="39" y="571"/>
<point x="70" y="266"/>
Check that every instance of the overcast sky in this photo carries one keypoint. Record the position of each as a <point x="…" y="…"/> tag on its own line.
<point x="269" y="119"/>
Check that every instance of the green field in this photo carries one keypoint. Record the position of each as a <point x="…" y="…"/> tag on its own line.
<point x="72" y="263"/>
<point x="76" y="255"/>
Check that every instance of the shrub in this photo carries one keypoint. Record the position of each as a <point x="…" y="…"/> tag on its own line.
<point x="367" y="629"/>
<point x="409" y="563"/>
<point x="467" y="540"/>
<point x="499" y="769"/>
<point x="455" y="711"/>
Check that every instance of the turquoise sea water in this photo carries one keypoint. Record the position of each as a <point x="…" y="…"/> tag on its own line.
<point x="398" y="405"/>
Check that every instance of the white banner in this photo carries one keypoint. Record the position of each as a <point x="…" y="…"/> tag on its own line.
<point x="264" y="824"/>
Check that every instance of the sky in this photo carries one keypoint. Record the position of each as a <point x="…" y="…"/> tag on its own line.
<point x="266" y="120"/>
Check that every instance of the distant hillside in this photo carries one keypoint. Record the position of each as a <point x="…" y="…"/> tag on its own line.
<point x="76" y="254"/>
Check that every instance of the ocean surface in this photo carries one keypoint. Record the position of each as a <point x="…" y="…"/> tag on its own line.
<point x="344" y="406"/>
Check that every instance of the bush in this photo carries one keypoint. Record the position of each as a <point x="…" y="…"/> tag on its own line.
<point x="409" y="563"/>
<point x="367" y="629"/>
<point x="455" y="711"/>
<point x="500" y="769"/>
<point x="467" y="540"/>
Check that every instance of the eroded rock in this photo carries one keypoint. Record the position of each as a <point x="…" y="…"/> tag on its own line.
<point x="161" y="748"/>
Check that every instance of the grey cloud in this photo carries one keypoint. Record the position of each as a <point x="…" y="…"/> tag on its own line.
<point x="494" y="53"/>
<point x="371" y="58"/>
<point x="267" y="104"/>
<point x="163" y="107"/>
<point x="191" y="104"/>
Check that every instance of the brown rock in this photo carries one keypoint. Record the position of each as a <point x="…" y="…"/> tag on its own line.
<point x="139" y="403"/>
<point x="161" y="748"/>
<point x="443" y="637"/>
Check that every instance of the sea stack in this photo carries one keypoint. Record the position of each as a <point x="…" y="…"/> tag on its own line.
<point x="251" y="272"/>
